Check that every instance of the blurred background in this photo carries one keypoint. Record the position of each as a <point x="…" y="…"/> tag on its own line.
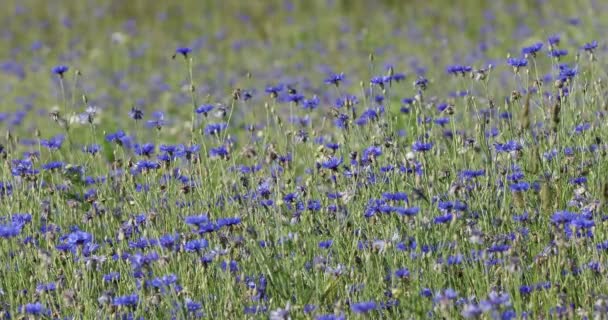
<point x="123" y="48"/>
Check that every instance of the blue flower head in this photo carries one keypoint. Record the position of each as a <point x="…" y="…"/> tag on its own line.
<point x="553" y="40"/>
<point x="517" y="63"/>
<point x="459" y="69"/>
<point x="589" y="47"/>
<point x="60" y="70"/>
<point x="532" y="50"/>
<point x="184" y="51"/>
<point x="334" y="79"/>
<point x="363" y="307"/>
<point x="332" y="163"/>
<point x="204" y="109"/>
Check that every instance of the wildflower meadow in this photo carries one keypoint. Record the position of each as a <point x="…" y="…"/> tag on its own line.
<point x="318" y="159"/>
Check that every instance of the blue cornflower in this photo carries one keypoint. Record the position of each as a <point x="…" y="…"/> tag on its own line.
<point x="158" y="120"/>
<point x="295" y="98"/>
<point x="168" y="240"/>
<point x="408" y="101"/>
<point x="402" y="273"/>
<point x="215" y="128"/>
<point x="525" y="290"/>
<point x="60" y="70"/>
<point x="471" y="311"/>
<point x="227" y="222"/>
<point x="334" y="79"/>
<point x="196" y="245"/>
<point x="363" y="307"/>
<point x="310" y="104"/>
<point x="520" y="186"/>
<point x="426" y="292"/>
<point x="532" y="50"/>
<point x="21" y="218"/>
<point x="197" y="220"/>
<point x="471" y="174"/>
<point x="274" y="90"/>
<point x="219" y="152"/>
<point x="578" y="180"/>
<point x="442" y="121"/>
<point x="421" y="83"/>
<point x="558" y="53"/>
<point x="146" y="165"/>
<point x="509" y="146"/>
<point x="79" y="238"/>
<point x="53" y="165"/>
<point x="46" y="287"/>
<point x="308" y="308"/>
<point x="553" y="40"/>
<point x="397" y="77"/>
<point x="495" y="301"/>
<point x="589" y="47"/>
<point x="111" y="277"/>
<point x="91" y="149"/>
<point x="232" y="266"/>
<point x="346" y="100"/>
<point x="193" y="306"/>
<point x="191" y="152"/>
<point x="563" y="217"/>
<point x="498" y="248"/>
<point x="146" y="149"/>
<point x="171" y="149"/>
<point x="396" y="196"/>
<point x="10" y="231"/>
<point x="36" y="309"/>
<point x="127" y="301"/>
<point x="566" y="73"/>
<point x="53" y="143"/>
<point x="582" y="127"/>
<point x="449" y="294"/>
<point x="517" y="63"/>
<point x="332" y="163"/>
<point x="371" y="153"/>
<point x="119" y="137"/>
<point x="582" y="223"/>
<point x="443" y="219"/>
<point x="326" y="244"/>
<point x="420" y="146"/>
<point x="23" y="168"/>
<point x="184" y="51"/>
<point x="452" y="205"/>
<point x="411" y="211"/>
<point x="204" y="109"/>
<point x="333" y="146"/>
<point x="459" y="69"/>
<point x="379" y="81"/>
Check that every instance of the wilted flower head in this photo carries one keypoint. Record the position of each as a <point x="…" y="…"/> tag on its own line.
<point x="136" y="113"/>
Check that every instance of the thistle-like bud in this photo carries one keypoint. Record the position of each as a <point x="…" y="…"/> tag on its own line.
<point x="555" y="115"/>
<point x="524" y="118"/>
